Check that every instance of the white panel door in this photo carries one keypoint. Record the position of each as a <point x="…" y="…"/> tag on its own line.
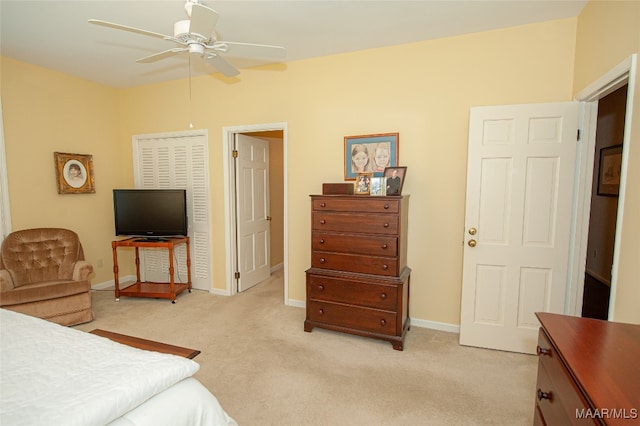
<point x="520" y="184"/>
<point x="252" y="177"/>
<point x="179" y="162"/>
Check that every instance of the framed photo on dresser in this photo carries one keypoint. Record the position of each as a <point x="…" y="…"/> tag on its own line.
<point x="395" y="179"/>
<point x="363" y="183"/>
<point x="378" y="186"/>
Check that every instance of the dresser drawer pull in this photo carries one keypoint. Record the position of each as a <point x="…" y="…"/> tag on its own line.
<point x="386" y="206"/>
<point x="385" y="267"/>
<point x="323" y="205"/>
<point x="383" y="322"/>
<point x="543" y="351"/>
<point x="321" y="287"/>
<point x="323" y="260"/>
<point x="544" y="395"/>
<point x="321" y="240"/>
<point x="384" y="246"/>
<point x="383" y="296"/>
<point x="386" y="225"/>
<point x="321" y="311"/>
<point x="322" y="222"/>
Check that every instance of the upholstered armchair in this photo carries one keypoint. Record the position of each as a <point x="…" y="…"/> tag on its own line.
<point x="43" y="273"/>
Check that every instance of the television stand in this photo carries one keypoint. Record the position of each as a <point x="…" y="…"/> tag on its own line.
<point x="146" y="288"/>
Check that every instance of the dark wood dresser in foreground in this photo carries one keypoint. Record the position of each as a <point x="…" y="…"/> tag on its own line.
<point x="588" y="372"/>
<point x="358" y="282"/>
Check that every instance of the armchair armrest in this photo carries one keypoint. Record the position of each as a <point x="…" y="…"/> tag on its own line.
<point x="6" y="281"/>
<point x="81" y="270"/>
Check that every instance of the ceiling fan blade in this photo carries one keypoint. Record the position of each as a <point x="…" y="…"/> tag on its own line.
<point x="203" y="21"/>
<point x="250" y="50"/>
<point x="130" y="29"/>
<point x="162" y="55"/>
<point x="223" y="66"/>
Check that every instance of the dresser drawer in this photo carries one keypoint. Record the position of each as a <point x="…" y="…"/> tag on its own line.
<point x="548" y="402"/>
<point x="356" y="244"/>
<point x="362" y="223"/>
<point x="360" y="318"/>
<point x="363" y="204"/>
<point x="387" y="266"/>
<point x="352" y="292"/>
<point x="555" y="381"/>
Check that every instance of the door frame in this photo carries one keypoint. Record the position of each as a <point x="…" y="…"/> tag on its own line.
<point x="618" y="76"/>
<point x="5" y="210"/>
<point x="228" y="140"/>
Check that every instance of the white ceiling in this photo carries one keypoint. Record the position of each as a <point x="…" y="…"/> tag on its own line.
<point x="55" y="34"/>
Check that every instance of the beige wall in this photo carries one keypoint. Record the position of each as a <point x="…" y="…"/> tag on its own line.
<point x="45" y="111"/>
<point x="421" y="90"/>
<point x="609" y="32"/>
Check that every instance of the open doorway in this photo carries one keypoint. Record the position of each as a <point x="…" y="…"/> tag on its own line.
<point x="274" y="135"/>
<point x="604" y="203"/>
<point x="622" y="76"/>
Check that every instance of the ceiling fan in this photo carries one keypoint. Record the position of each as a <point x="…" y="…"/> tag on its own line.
<point x="197" y="36"/>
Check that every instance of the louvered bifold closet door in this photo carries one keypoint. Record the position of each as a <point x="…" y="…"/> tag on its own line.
<point x="179" y="162"/>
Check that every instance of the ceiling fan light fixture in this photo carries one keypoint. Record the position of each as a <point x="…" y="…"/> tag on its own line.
<point x="196" y="48"/>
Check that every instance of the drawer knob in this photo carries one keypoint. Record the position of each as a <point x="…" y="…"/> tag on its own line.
<point x="543" y="395"/>
<point x="383" y="322"/>
<point x="386" y="206"/>
<point x="322" y="222"/>
<point x="321" y="287"/>
<point x="323" y="205"/>
<point x="386" y="225"/>
<point x="321" y="311"/>
<point x="321" y="240"/>
<point x="383" y="296"/>
<point x="384" y="246"/>
<point x="323" y="260"/>
<point x="385" y="267"/>
<point x="543" y="351"/>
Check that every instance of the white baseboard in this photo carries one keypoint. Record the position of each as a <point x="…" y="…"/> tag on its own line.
<point x="297" y="303"/>
<point x="111" y="283"/>
<point x="415" y="322"/>
<point x="219" y="292"/>
<point x="435" y="325"/>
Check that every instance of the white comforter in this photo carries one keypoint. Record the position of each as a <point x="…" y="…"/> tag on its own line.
<point x="56" y="375"/>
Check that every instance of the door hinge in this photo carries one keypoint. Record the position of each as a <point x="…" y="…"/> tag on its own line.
<point x="234" y="153"/>
<point x="578" y="135"/>
<point x="237" y="275"/>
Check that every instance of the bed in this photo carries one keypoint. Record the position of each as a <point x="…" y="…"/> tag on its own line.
<point x="51" y="374"/>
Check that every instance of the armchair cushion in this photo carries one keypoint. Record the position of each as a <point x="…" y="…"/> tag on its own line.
<point x="43" y="273"/>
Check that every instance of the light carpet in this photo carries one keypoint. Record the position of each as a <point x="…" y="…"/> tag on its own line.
<point x="265" y="370"/>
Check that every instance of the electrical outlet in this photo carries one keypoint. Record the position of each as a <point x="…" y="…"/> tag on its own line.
<point x="99" y="263"/>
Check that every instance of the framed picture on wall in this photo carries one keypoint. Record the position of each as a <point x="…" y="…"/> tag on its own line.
<point x="609" y="171"/>
<point x="74" y="173"/>
<point x="370" y="153"/>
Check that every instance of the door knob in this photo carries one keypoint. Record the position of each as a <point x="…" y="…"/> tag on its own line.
<point x="268" y="217"/>
<point x="473" y="231"/>
<point x="472" y="243"/>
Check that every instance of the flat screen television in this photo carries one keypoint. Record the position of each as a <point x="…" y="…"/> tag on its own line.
<point x="152" y="213"/>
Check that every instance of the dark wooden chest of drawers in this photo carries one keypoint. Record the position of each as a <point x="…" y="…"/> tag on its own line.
<point x="358" y="282"/>
<point x="588" y="372"/>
